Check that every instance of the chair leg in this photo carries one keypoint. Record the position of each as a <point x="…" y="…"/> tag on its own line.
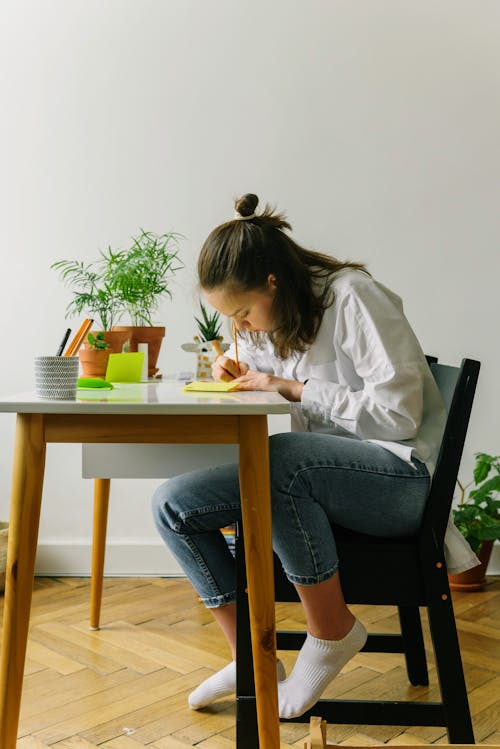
<point x="411" y="630"/>
<point x="101" y="504"/>
<point x="450" y="671"/>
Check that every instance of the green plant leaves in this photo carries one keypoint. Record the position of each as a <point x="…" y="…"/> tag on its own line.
<point x="142" y="274"/>
<point x="120" y="281"/>
<point x="478" y="518"/>
<point x="97" y="341"/>
<point x="490" y="532"/>
<point x="209" y="327"/>
<point x="483" y="467"/>
<point x="91" y="291"/>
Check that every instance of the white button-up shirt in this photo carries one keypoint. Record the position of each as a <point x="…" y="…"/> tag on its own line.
<point x="367" y="378"/>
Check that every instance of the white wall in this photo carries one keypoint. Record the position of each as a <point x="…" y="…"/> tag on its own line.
<point x="374" y="124"/>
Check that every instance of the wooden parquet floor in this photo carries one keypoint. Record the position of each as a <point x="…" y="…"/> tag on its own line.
<point x="126" y="686"/>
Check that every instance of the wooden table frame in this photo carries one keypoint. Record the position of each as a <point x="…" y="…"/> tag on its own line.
<point x="35" y="430"/>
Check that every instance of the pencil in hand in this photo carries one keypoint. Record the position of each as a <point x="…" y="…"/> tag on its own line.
<point x="235" y="339"/>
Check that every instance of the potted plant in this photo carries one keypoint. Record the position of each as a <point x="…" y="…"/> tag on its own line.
<point x="94" y="293"/>
<point x="141" y="276"/>
<point x="208" y="344"/>
<point x="477" y="517"/>
<point x="94" y="356"/>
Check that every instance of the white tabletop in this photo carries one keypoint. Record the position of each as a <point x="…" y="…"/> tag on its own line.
<point x="164" y="397"/>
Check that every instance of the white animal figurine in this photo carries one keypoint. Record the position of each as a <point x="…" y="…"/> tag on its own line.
<point x="206" y="354"/>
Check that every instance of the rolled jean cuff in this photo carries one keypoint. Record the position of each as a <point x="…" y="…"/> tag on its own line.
<point x="312" y="579"/>
<point x="213" y="602"/>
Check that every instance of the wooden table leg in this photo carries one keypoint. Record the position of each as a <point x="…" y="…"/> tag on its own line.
<point x="27" y="484"/>
<point x="256" y="515"/>
<point x="101" y="504"/>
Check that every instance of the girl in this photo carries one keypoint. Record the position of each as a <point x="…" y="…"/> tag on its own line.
<point x="367" y="421"/>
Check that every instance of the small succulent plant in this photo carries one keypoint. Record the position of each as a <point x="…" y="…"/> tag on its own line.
<point x="209" y="325"/>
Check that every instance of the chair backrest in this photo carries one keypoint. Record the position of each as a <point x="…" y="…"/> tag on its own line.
<point x="457" y="386"/>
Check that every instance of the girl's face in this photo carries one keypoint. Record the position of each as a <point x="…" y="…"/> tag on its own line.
<point x="250" y="310"/>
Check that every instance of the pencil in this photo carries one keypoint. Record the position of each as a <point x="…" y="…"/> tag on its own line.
<point x="235" y="338"/>
<point x="71" y="347"/>
<point x="77" y="341"/>
<point x="63" y="342"/>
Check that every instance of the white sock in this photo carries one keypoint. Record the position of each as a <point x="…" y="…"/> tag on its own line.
<point x="318" y="663"/>
<point x="221" y="684"/>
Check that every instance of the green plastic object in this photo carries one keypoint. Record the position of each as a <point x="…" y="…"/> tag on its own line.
<point x="94" y="382"/>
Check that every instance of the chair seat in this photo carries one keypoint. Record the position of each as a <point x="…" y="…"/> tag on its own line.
<point x="366" y="560"/>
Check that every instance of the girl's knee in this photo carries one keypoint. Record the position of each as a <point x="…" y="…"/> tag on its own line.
<point x="286" y="454"/>
<point x="282" y="448"/>
<point x="281" y="441"/>
<point x="158" y="502"/>
<point x="164" y="502"/>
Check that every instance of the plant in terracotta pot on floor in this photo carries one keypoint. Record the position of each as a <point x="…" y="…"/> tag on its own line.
<point x="208" y="344"/>
<point x="94" y="294"/>
<point x="477" y="517"/>
<point x="141" y="276"/>
<point x="94" y="356"/>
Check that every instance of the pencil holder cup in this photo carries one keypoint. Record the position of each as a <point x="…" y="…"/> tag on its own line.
<point x="56" y="377"/>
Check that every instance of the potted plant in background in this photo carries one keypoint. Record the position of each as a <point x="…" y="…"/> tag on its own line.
<point x="95" y="294"/>
<point x="208" y="344"/>
<point x="477" y="517"/>
<point x="141" y="276"/>
<point x="94" y="356"/>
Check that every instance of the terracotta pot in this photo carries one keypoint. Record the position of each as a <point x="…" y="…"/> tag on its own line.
<point x="153" y="336"/>
<point x="115" y="338"/>
<point x="475" y="578"/>
<point x="94" y="362"/>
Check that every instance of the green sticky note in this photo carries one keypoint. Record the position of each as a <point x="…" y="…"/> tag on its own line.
<point x="125" y="367"/>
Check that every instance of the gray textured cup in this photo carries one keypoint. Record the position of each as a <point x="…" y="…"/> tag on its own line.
<point x="56" y="377"/>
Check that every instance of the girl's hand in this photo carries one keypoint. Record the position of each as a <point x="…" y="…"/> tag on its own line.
<point x="225" y="369"/>
<point x="289" y="389"/>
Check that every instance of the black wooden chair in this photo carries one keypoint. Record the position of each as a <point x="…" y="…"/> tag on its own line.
<point x="405" y="572"/>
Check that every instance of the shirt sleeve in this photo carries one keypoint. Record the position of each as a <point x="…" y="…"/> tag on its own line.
<point x="376" y="345"/>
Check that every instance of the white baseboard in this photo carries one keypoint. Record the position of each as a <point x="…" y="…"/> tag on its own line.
<point x="129" y="557"/>
<point x="125" y="557"/>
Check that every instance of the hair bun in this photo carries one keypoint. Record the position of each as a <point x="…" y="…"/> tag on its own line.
<point x="246" y="205"/>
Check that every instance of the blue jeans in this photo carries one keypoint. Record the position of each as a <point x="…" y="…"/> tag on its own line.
<point x="316" y="479"/>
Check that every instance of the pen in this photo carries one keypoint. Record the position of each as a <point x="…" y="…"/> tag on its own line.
<point x="63" y="342"/>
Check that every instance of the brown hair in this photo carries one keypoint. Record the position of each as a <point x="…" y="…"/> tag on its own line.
<point x="240" y="255"/>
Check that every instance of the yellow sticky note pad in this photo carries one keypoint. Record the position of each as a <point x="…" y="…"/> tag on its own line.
<point x="211" y="387"/>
